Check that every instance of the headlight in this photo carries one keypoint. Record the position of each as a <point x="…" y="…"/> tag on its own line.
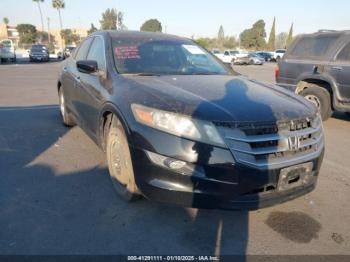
<point x="178" y="125"/>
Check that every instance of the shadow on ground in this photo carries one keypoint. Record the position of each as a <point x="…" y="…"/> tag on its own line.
<point x="43" y="211"/>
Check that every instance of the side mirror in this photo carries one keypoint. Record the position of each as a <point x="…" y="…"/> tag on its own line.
<point x="87" y="66"/>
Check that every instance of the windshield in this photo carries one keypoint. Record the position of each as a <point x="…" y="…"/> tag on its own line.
<point x="163" y="57"/>
<point x="6" y="43"/>
<point x="38" y="48"/>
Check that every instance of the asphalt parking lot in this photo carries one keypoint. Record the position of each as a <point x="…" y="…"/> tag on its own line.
<point x="56" y="196"/>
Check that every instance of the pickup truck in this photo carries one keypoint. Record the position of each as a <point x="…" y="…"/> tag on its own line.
<point x="7" y="51"/>
<point x="317" y="66"/>
<point x="229" y="56"/>
<point x="278" y="54"/>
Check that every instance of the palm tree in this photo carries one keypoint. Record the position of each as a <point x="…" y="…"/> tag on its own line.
<point x="6" y="20"/>
<point x="58" y="4"/>
<point x="41" y="14"/>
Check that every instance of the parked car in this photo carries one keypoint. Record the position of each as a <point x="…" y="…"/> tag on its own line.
<point x="266" y="55"/>
<point x="215" y="51"/>
<point x="1" y="50"/>
<point x="317" y="66"/>
<point x="179" y="127"/>
<point x="228" y="56"/>
<point x="68" y="51"/>
<point x="39" y="52"/>
<point x="8" y="51"/>
<point x="278" y="54"/>
<point x="250" y="59"/>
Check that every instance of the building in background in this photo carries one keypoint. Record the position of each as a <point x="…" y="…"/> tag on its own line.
<point x="9" y="32"/>
<point x="59" y="42"/>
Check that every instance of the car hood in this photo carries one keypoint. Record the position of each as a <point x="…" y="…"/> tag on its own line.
<point x="218" y="98"/>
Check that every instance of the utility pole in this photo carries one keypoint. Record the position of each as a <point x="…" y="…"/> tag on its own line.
<point x="117" y="20"/>
<point x="48" y="29"/>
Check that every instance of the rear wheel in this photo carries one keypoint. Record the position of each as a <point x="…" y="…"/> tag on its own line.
<point x="119" y="162"/>
<point x="66" y="116"/>
<point x="321" y="98"/>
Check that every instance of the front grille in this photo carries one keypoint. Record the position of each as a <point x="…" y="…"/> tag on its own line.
<point x="271" y="145"/>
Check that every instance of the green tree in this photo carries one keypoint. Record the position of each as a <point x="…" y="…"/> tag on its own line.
<point x="281" y="40"/>
<point x="151" y="25"/>
<point x="92" y="29"/>
<point x="290" y="36"/>
<point x="41" y="14"/>
<point x="6" y="20"/>
<point x="221" y="35"/>
<point x="27" y="33"/>
<point x="203" y="42"/>
<point x="69" y="36"/>
<point x="272" y="38"/>
<point x="112" y="19"/>
<point x="44" y="37"/>
<point x="254" y="38"/>
<point x="230" y="42"/>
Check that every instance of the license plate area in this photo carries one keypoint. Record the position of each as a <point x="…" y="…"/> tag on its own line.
<point x="295" y="176"/>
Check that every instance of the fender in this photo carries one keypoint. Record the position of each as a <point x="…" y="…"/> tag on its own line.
<point x="110" y="107"/>
<point x="326" y="78"/>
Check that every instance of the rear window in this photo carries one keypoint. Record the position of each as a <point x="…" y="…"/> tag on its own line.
<point x="344" y="54"/>
<point x="38" y="47"/>
<point x="6" y="43"/>
<point x="311" y="46"/>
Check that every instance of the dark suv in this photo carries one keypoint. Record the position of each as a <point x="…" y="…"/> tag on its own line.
<point x="178" y="127"/>
<point x="39" y="53"/>
<point x="317" y="66"/>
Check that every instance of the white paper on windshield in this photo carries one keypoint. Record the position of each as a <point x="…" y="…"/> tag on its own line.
<point x="193" y="49"/>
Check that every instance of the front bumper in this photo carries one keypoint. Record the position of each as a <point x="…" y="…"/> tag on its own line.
<point x="39" y="58"/>
<point x="217" y="182"/>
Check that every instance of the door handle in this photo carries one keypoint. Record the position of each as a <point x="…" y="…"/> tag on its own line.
<point x="337" y="68"/>
<point x="77" y="78"/>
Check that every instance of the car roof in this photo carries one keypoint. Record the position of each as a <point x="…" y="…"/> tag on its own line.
<point x="343" y="37"/>
<point x="140" y="35"/>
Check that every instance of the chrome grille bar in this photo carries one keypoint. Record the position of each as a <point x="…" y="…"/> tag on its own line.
<point x="283" y="146"/>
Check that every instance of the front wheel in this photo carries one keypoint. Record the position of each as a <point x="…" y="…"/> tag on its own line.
<point x="119" y="162"/>
<point x="321" y="98"/>
<point x="66" y="116"/>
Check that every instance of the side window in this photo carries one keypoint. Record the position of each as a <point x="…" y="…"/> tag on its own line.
<point x="97" y="53"/>
<point x="344" y="54"/>
<point x="83" y="49"/>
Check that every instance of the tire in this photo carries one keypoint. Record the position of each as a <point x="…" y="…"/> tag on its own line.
<point x="66" y="116"/>
<point x="251" y="62"/>
<point x="321" y="98"/>
<point x="278" y="59"/>
<point x="119" y="162"/>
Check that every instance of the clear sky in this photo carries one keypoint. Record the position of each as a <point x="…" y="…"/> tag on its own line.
<point x="190" y="17"/>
